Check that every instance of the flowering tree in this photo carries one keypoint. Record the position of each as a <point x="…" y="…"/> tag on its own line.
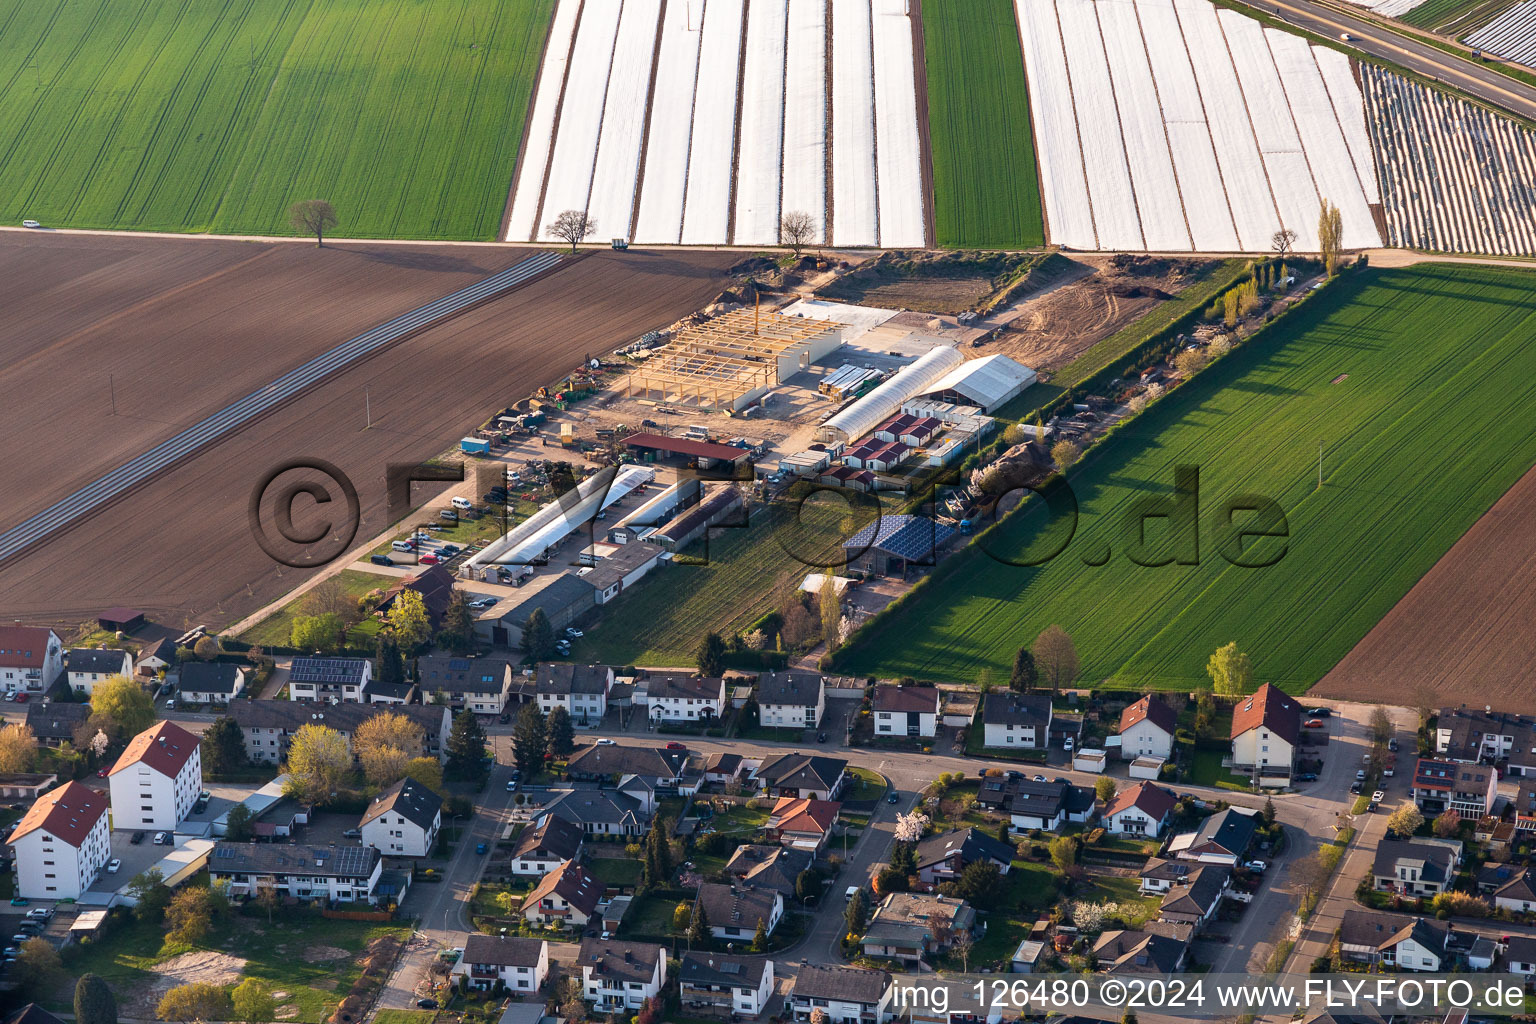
<point x="909" y="827"/>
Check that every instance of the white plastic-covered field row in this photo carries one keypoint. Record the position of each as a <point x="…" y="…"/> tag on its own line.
<point x="705" y="122"/>
<point x="1455" y="177"/>
<point x="1512" y="35"/>
<point x="1167" y="125"/>
<point x="1389" y="8"/>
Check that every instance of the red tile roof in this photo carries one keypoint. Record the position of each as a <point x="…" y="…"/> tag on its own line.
<point x="24" y="646"/>
<point x="1151" y="709"/>
<point x="68" y="812"/>
<point x="1154" y="801"/>
<point x="164" y="746"/>
<point x="1271" y="708"/>
<point x="684" y="446"/>
<point x="801" y="814"/>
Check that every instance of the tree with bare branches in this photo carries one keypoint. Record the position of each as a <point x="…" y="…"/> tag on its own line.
<point x="1056" y="656"/>
<point x="797" y="229"/>
<point x="1282" y="241"/>
<point x="313" y="217"/>
<point x="572" y="226"/>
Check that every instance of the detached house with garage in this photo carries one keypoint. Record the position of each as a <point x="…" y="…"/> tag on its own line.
<point x="157" y="779"/>
<point x="31" y="658"/>
<point x="403" y="821"/>
<point x="724" y="986"/>
<point x="1414" y="868"/>
<point x="333" y="680"/>
<point x="480" y="685"/>
<point x="911" y="926"/>
<point x="1266" y="730"/>
<point x="802" y="823"/>
<point x="567" y="897"/>
<point x="734" y="911"/>
<point x="1222" y="838"/>
<point x="210" y="682"/>
<point x="1407" y="943"/>
<point x="581" y="689"/>
<point x="1016" y="721"/>
<point x="942" y="857"/>
<point x="791" y="700"/>
<point x="911" y="711"/>
<point x="85" y="667"/>
<point x="802" y="775"/>
<point x="519" y="963"/>
<point x="1518" y="894"/>
<point x="618" y="976"/>
<point x="540" y="850"/>
<point x="61" y="843"/>
<point x="1139" y="810"/>
<point x="1146" y="729"/>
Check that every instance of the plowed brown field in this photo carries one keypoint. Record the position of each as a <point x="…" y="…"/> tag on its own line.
<point x="1466" y="632"/>
<point x="188" y="334"/>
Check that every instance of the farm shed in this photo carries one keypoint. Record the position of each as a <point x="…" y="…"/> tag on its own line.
<point x="911" y="380"/>
<point x="733" y="360"/>
<point x="987" y="383"/>
<point x="686" y="528"/>
<point x="620" y="569"/>
<point x="564" y="599"/>
<point x="532" y="538"/>
<point x="707" y="453"/>
<point x="888" y="546"/>
<point x="125" y="619"/>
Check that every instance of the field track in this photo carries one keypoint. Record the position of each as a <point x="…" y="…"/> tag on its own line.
<point x="179" y="547"/>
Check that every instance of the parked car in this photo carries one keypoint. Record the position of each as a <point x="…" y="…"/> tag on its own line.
<point x="511" y="785"/>
<point x="428" y="559"/>
<point x="21" y="697"/>
<point x="162" y="838"/>
<point x="605" y="742"/>
<point x="1392" y="744"/>
<point x="1378" y="796"/>
<point x="481" y="848"/>
<point x="1320" y="712"/>
<point x="482" y="602"/>
<point x="462" y="504"/>
<point x="352" y="833"/>
<point x="170" y="705"/>
<point x="1039" y="778"/>
<point x="113" y="866"/>
<point x="1257" y="866"/>
<point x="10" y="694"/>
<point x="1355" y="787"/>
<point x="1388" y="771"/>
<point x="138" y="837"/>
<point x="1306" y="777"/>
<point x="449" y="514"/>
<point x="821" y="737"/>
<point x="39" y="913"/>
<point x="894" y="798"/>
<point x="1360" y="775"/>
<point x="676" y="746"/>
<point x="102" y="773"/>
<point x="572" y="631"/>
<point x="29" y="223"/>
<point x="1315" y="723"/>
<point x="19" y="901"/>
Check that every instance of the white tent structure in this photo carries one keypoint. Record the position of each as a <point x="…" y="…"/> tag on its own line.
<point x="869" y="412"/>
<point x="987" y="383"/>
<point x="558" y="519"/>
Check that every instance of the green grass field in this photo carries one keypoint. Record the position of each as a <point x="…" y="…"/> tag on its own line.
<point x="1456" y="15"/>
<point x="217" y="115"/>
<point x="1418" y="384"/>
<point x="985" y="189"/>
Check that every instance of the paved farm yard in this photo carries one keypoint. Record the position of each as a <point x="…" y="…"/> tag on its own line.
<point x="1419" y="385"/>
<point x="216" y="116"/>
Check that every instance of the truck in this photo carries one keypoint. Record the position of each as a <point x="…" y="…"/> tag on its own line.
<point x="474" y="446"/>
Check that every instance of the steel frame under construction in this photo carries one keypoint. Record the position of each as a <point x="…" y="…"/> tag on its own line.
<point x="730" y="361"/>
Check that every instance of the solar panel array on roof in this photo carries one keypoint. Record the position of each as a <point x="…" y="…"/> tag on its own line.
<point x="326" y="670"/>
<point x="909" y="537"/>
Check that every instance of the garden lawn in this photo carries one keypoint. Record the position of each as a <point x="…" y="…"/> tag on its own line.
<point x="864" y="785"/>
<point x="1205" y="769"/>
<point x="615" y="871"/>
<point x="218" y="115"/>
<point x="1125" y="891"/>
<point x="985" y="183"/>
<point x="276" y="630"/>
<point x="1417" y="384"/>
<point x="1030" y="888"/>
<point x="276" y="955"/>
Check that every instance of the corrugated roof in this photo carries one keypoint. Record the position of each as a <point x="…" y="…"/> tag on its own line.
<point x="987" y="382"/>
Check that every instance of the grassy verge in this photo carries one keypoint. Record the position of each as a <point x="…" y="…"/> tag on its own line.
<point x="984" y="172"/>
<point x="863" y="785"/>
<point x="276" y="630"/>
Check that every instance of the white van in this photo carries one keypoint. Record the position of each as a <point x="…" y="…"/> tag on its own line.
<point x="461" y="503"/>
<point x="402" y="545"/>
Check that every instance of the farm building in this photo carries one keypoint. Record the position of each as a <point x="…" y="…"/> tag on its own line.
<point x="531" y="539"/>
<point x="655" y="445"/>
<point x="889" y="546"/>
<point x="689" y="526"/>
<point x="564" y="598"/>
<point x="863" y="416"/>
<point x="620" y="569"/>
<point x="987" y="383"/>
<point x="120" y="619"/>
<point x="733" y="360"/>
<point x="655" y="511"/>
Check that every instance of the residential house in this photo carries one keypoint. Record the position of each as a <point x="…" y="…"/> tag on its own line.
<point x="792" y="700"/>
<point x="55" y="723"/>
<point x="332" y="680"/>
<point x="210" y="682"/>
<point x="481" y="685"/>
<point x="1473" y="736"/>
<point x="157" y="778"/>
<point x="1414" y="868"/>
<point x="942" y="857"/>
<point x="403" y="820"/>
<point x="1139" y="810"/>
<point x="618" y="976"/>
<point x="31" y="658"/>
<point x="802" y="823"/>
<point x="541" y="849"/>
<point x="724" y="986"/>
<point x="269" y="724"/>
<point x="735" y="911"/>
<point x="1223" y="838"/>
<point x="598" y="812"/>
<point x="31" y="1013"/>
<point x="611" y="764"/>
<point x="1468" y="789"/>
<point x="724" y="768"/>
<point x="1518" y="894"/>
<point x="581" y="689"/>
<point x="567" y="897"/>
<point x="84" y="667"/>
<point x="1147" y="728"/>
<point x="1407" y="943"/>
<point x="1266" y="730"/>
<point x="521" y="964"/>
<point x="1037" y="805"/>
<point x="346" y="874"/>
<point x="769" y="867"/>
<point x="434" y="585"/>
<point x="681" y="697"/>
<point x="1492" y="875"/>
<point x="1015" y="721"/>
<point x="911" y="926"/>
<point x="403" y="692"/>
<point x="848" y="995"/>
<point x="1140" y="951"/>
<point x="802" y="775"/>
<point x="1160" y="874"/>
<point x="1520" y="954"/>
<point x="1194" y="903"/>
<point x="61" y="843"/>
<point x="911" y="711"/>
<point x="156" y="659"/>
